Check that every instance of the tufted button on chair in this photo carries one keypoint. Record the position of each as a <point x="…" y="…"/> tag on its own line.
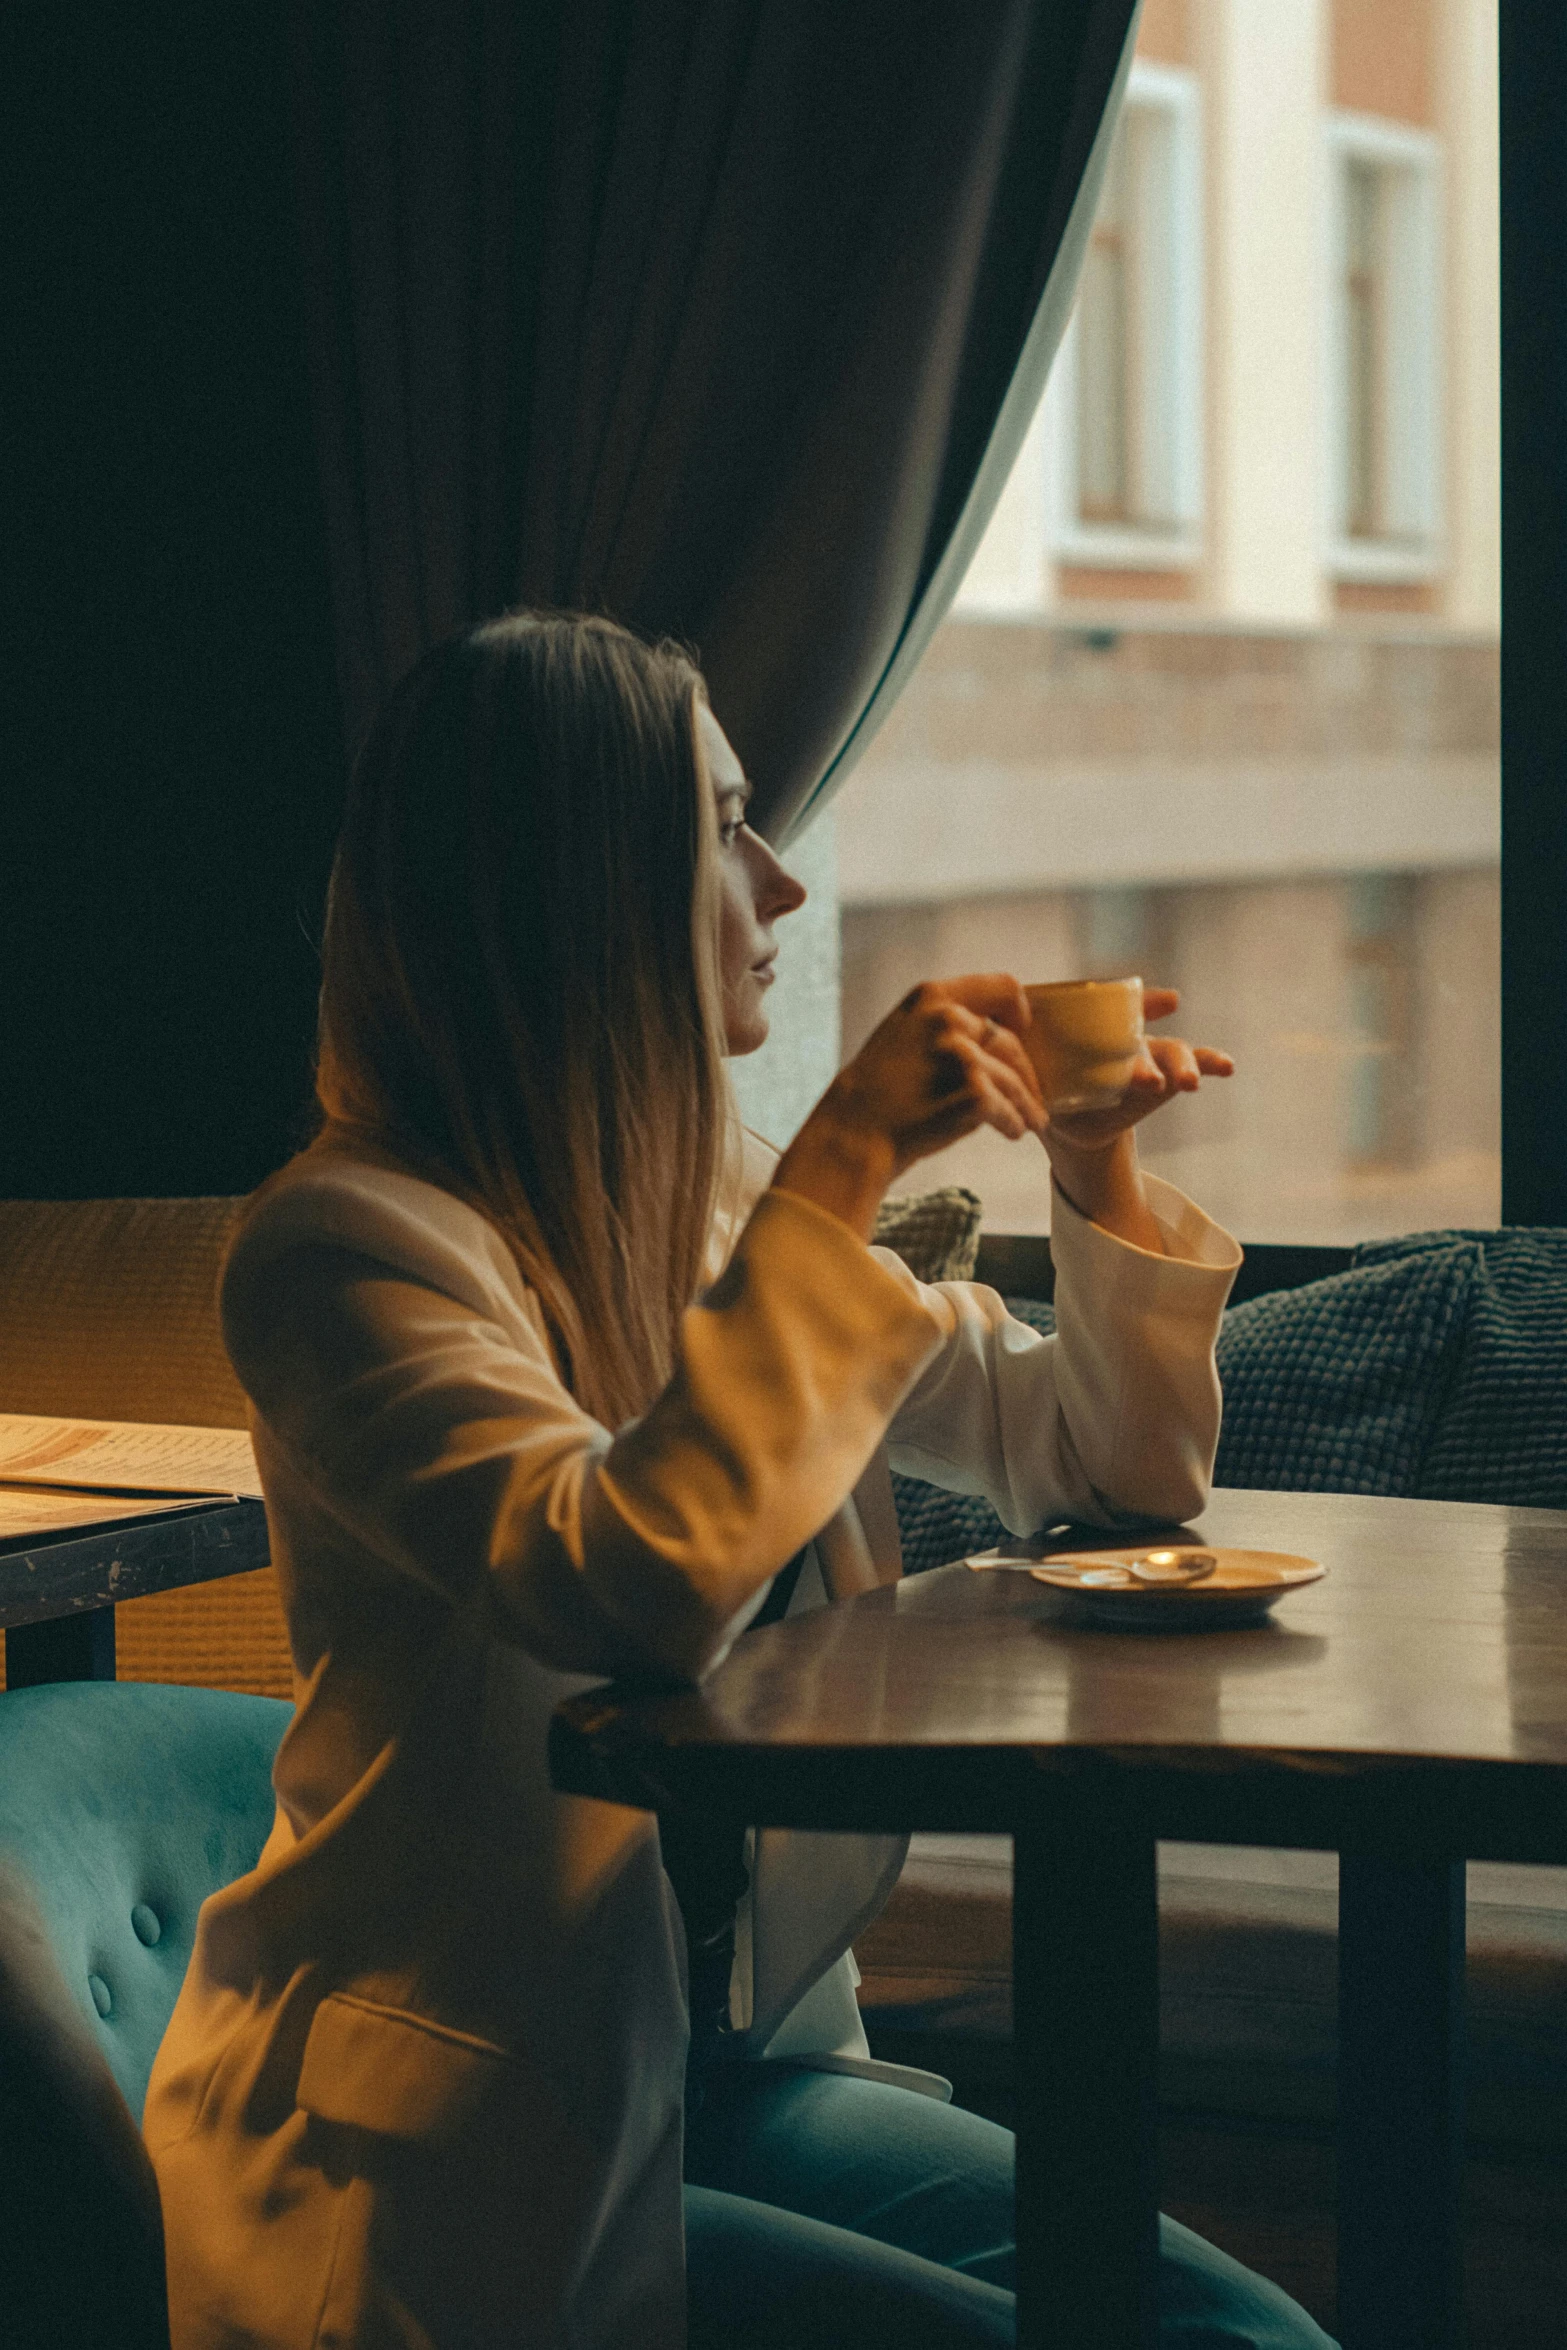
<point x="122" y="1807"/>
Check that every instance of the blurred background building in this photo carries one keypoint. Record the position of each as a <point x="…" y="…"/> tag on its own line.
<point x="1218" y="700"/>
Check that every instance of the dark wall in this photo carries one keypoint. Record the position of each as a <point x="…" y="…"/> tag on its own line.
<point x="171" y="763"/>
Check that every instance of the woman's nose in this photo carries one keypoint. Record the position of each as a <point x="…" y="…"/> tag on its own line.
<point x="774" y="888"/>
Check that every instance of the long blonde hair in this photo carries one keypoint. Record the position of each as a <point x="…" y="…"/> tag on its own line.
<point x="520" y="985"/>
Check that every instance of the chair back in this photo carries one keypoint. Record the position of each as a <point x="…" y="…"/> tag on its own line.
<point x="110" y="1310"/>
<point x="121" y="1808"/>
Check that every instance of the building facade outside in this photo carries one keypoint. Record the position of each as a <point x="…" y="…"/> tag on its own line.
<point x="1219" y="699"/>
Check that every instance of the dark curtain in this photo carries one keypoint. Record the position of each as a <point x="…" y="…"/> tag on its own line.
<point x="330" y="329"/>
<point x="170" y="738"/>
<point x="701" y="312"/>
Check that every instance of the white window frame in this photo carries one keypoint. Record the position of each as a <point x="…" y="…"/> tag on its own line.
<point x="1416" y="553"/>
<point x="1176" y="374"/>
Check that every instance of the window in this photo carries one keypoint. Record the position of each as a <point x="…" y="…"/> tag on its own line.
<point x="1127" y="389"/>
<point x="1383" y="340"/>
<point x="1240" y="734"/>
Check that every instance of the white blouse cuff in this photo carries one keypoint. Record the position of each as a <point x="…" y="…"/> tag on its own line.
<point x="1199" y="1255"/>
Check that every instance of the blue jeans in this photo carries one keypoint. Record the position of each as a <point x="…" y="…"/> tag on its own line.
<point x="849" y="2215"/>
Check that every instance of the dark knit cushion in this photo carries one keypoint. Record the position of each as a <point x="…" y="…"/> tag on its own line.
<point x="1435" y="1366"/>
<point x="936" y="1233"/>
<point x="1338" y="1387"/>
<point x="1501" y="1428"/>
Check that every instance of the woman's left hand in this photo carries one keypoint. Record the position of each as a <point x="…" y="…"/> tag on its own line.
<point x="1093" y="1152"/>
<point x="1168" y="1065"/>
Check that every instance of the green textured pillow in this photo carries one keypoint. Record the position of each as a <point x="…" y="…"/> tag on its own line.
<point x="936" y="1233"/>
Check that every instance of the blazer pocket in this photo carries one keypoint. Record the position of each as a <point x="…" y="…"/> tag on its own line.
<point x="396" y="2073"/>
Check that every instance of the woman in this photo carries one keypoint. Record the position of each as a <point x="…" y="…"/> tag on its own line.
<point x="551" y="1374"/>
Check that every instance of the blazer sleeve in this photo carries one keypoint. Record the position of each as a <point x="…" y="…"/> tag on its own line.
<point x="394" y="1374"/>
<point x="1116" y="1417"/>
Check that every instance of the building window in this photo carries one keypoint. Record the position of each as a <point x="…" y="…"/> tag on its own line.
<point x="1127" y="388"/>
<point x="1108" y="487"/>
<point x="1384" y="345"/>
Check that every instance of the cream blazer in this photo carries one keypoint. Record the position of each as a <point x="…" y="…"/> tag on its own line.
<point x="422" y="2085"/>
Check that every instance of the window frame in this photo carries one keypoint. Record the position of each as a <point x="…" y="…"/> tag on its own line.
<point x="1532" y="91"/>
<point x="1176" y="92"/>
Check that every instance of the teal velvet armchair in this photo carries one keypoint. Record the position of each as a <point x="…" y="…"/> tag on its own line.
<point x="122" y="1807"/>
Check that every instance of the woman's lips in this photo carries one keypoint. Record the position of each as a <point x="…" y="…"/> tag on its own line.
<point x="764" y="972"/>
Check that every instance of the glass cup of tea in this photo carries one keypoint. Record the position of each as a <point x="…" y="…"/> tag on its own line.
<point x="1084" y="1039"/>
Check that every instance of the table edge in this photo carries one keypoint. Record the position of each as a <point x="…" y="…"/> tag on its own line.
<point x="72" y="1573"/>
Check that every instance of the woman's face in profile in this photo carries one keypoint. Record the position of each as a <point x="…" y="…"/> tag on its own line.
<point x="754" y="891"/>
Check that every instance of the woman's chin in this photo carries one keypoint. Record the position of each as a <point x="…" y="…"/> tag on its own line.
<point x="745" y="1033"/>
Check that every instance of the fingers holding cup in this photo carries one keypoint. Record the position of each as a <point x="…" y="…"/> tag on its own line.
<point x="996" y="1072"/>
<point x="1093" y="1100"/>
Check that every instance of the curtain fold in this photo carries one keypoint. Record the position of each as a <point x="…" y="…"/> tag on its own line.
<point x="701" y="312"/>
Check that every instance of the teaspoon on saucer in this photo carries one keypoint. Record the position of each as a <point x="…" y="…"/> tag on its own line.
<point x="1155" y="1566"/>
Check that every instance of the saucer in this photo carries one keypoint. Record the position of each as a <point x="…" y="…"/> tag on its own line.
<point x="1243" y="1586"/>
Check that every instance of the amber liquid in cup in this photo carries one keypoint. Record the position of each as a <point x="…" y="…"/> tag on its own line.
<point x="1084" y="1038"/>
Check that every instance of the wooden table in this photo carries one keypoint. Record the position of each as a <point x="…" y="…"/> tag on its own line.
<point x="57" y="1597"/>
<point x="1410" y="1713"/>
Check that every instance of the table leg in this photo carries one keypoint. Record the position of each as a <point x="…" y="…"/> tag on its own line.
<point x="67" y="1648"/>
<point x="1400" y="2095"/>
<point x="1085" y="1975"/>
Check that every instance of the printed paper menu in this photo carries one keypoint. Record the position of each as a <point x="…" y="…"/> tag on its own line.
<point x="30" y="1510"/>
<point x="125" y="1457"/>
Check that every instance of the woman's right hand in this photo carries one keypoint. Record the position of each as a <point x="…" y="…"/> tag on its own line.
<point x="946" y="1060"/>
